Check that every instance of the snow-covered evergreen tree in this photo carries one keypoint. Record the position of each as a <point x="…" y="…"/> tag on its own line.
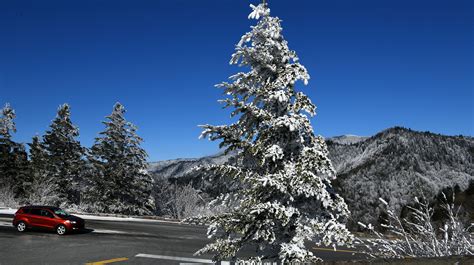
<point x="283" y="168"/>
<point x="65" y="156"/>
<point x="38" y="157"/>
<point x="120" y="183"/>
<point x="7" y="128"/>
<point x="13" y="157"/>
<point x="7" y="122"/>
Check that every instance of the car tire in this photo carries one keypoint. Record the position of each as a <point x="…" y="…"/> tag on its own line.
<point x="21" y="227"/>
<point x="61" y="230"/>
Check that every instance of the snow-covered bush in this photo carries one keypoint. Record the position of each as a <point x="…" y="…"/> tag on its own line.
<point x="184" y="202"/>
<point x="418" y="235"/>
<point x="180" y="201"/>
<point x="282" y="172"/>
<point x="43" y="192"/>
<point x="7" y="197"/>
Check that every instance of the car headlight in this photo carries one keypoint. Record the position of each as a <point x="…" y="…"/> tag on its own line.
<point x="72" y="222"/>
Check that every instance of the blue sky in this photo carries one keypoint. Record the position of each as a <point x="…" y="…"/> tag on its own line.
<point x="374" y="64"/>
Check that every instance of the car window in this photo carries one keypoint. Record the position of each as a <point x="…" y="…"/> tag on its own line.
<point x="46" y="213"/>
<point x="35" y="211"/>
<point x="26" y="210"/>
<point x="61" y="212"/>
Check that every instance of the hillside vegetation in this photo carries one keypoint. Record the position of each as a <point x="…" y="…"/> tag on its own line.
<point x="396" y="164"/>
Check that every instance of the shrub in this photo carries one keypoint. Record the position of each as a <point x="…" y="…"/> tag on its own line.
<point x="418" y="235"/>
<point x="7" y="197"/>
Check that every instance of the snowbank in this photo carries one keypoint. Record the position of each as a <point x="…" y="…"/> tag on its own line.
<point x="7" y="210"/>
<point x="121" y="219"/>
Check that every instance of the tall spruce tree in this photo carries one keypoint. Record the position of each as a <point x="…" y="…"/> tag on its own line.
<point x="13" y="157"/>
<point x="38" y="160"/>
<point x="38" y="157"/>
<point x="283" y="169"/>
<point x="43" y="188"/>
<point x="120" y="183"/>
<point x="64" y="161"/>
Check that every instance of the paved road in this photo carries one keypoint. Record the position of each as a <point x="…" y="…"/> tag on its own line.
<point x="115" y="242"/>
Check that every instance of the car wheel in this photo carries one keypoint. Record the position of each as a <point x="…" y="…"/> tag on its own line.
<point x="21" y="226"/>
<point x="61" y="230"/>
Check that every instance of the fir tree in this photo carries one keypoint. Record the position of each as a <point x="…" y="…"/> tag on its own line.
<point x="38" y="160"/>
<point x="38" y="156"/>
<point x="13" y="157"/>
<point x="283" y="169"/>
<point x="7" y="122"/>
<point x="120" y="183"/>
<point x="64" y="161"/>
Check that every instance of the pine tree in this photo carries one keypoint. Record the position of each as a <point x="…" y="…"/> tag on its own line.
<point x="64" y="161"/>
<point x="283" y="169"/>
<point x="120" y="183"/>
<point x="13" y="157"/>
<point x="7" y="127"/>
<point x="38" y="156"/>
<point x="38" y="160"/>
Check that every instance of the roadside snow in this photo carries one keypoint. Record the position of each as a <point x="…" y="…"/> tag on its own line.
<point x="7" y="210"/>
<point x="2" y="223"/>
<point x="121" y="219"/>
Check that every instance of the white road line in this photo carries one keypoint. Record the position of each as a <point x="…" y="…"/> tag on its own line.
<point x="117" y="232"/>
<point x="106" y="231"/>
<point x="174" y="258"/>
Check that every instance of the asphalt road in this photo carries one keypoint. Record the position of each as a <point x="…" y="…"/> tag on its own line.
<point x="107" y="242"/>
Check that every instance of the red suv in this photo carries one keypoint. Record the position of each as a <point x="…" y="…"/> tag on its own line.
<point x="48" y="217"/>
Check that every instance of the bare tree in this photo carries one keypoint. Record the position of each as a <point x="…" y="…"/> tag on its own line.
<point x="419" y="236"/>
<point x="184" y="202"/>
<point x="43" y="192"/>
<point x="7" y="197"/>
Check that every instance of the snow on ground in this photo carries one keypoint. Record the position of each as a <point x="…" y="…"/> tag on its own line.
<point x="7" y="210"/>
<point x="3" y="223"/>
<point x="121" y="219"/>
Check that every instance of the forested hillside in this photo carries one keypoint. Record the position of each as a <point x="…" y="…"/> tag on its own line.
<point x="398" y="164"/>
<point x="395" y="164"/>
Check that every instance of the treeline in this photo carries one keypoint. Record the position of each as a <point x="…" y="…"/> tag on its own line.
<point x="110" y="177"/>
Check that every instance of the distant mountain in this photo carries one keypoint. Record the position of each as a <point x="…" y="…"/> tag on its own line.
<point x="177" y="168"/>
<point x="396" y="164"/>
<point x="347" y="139"/>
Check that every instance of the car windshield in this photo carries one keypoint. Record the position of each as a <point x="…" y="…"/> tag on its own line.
<point x="61" y="212"/>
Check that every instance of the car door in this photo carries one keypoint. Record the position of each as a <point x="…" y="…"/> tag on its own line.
<point x="47" y="219"/>
<point x="34" y="217"/>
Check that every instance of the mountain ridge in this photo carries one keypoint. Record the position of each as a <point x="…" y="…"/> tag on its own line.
<point x="396" y="164"/>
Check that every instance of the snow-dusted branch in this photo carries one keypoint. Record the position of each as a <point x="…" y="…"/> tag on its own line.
<point x="419" y="236"/>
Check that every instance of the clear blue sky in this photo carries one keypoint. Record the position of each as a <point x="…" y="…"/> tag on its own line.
<point x="374" y="64"/>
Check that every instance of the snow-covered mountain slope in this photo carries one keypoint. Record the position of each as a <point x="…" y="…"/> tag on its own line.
<point x="177" y="168"/>
<point x="347" y="139"/>
<point x="395" y="164"/>
<point x="398" y="164"/>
